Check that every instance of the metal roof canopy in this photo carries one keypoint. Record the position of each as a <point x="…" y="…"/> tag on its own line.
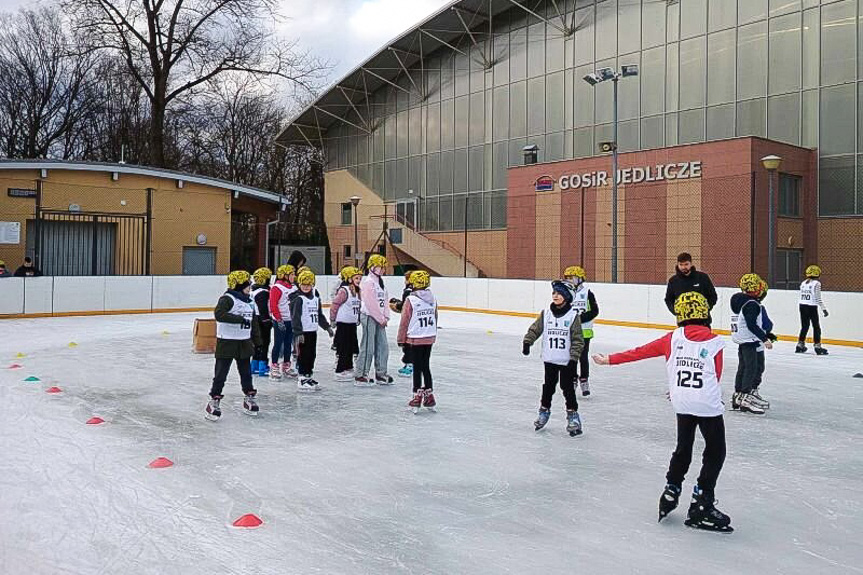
<point x="257" y="193"/>
<point x="447" y="28"/>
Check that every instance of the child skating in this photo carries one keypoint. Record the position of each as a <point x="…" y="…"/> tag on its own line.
<point x="562" y="342"/>
<point x="236" y="337"/>
<point x="280" y="311"/>
<point x="306" y="316"/>
<point x="418" y="330"/>
<point x="261" y="297"/>
<point x="585" y="304"/>
<point x="747" y="331"/>
<point x="345" y="314"/>
<point x="396" y="305"/>
<point x="374" y="317"/>
<point x="810" y="301"/>
<point x="693" y="356"/>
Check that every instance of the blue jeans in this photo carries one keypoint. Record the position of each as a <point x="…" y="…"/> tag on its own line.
<point x="283" y="342"/>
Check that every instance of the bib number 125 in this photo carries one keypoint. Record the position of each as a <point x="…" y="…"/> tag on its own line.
<point x="691" y="379"/>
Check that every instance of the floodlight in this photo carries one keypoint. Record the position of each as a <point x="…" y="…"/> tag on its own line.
<point x="606" y="74"/>
<point x="592" y="79"/>
<point x="629" y="70"/>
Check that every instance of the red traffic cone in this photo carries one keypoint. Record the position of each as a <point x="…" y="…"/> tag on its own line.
<point x="95" y="421"/>
<point x="160" y="462"/>
<point x="53" y="389"/>
<point x="248" y="521"/>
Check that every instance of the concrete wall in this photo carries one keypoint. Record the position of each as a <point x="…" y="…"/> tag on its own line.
<point x="627" y="304"/>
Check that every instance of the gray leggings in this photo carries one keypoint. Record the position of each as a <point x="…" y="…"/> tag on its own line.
<point x="374" y="346"/>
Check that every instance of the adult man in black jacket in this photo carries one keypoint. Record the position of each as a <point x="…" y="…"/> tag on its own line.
<point x="687" y="279"/>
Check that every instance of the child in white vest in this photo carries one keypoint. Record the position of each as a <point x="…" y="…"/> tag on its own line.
<point x="693" y="359"/>
<point x="810" y="301"/>
<point x="418" y="331"/>
<point x="280" y="312"/>
<point x="560" y="330"/>
<point x="749" y="333"/>
<point x="345" y="313"/>
<point x="236" y="337"/>
<point x="584" y="302"/>
<point x="306" y="316"/>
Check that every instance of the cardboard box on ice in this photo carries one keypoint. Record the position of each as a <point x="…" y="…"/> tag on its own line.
<point x="204" y="336"/>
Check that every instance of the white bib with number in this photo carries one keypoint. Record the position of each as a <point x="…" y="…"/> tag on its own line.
<point x="349" y="312"/>
<point x="581" y="303"/>
<point x="740" y="332"/>
<point x="692" y="380"/>
<point x="380" y="293"/>
<point x="236" y="331"/>
<point x="423" y="323"/>
<point x="807" y="293"/>
<point x="556" y="337"/>
<point x="284" y="300"/>
<point x="310" y="313"/>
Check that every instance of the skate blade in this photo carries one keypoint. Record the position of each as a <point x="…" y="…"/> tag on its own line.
<point x="711" y="528"/>
<point x="250" y="412"/>
<point x="415" y="410"/>
<point x="433" y="409"/>
<point x="538" y="427"/>
<point x="576" y="433"/>
<point x="211" y="417"/>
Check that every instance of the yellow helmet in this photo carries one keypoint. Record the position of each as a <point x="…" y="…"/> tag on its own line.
<point x="377" y="261"/>
<point x="262" y="275"/>
<point x="813" y="271"/>
<point x="691" y="305"/>
<point x="764" y="288"/>
<point x="306" y="278"/>
<point x="302" y="269"/>
<point x="348" y="272"/>
<point x="420" y="279"/>
<point x="284" y="271"/>
<point x="238" y="277"/>
<point x="575" y="272"/>
<point x="751" y="283"/>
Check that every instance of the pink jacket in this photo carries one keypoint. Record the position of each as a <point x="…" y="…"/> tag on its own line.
<point x="368" y="295"/>
<point x="407" y="312"/>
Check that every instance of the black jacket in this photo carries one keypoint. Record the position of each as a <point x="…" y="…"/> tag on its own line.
<point x="297" y="311"/>
<point x="235" y="348"/>
<point x="262" y="302"/>
<point x="23" y="271"/>
<point x="751" y="313"/>
<point x="696" y="281"/>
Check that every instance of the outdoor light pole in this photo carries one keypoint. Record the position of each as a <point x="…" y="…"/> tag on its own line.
<point x="602" y="75"/>
<point x="355" y="201"/>
<point x="771" y="164"/>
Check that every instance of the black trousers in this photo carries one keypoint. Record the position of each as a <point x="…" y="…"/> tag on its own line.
<point x="307" y="353"/>
<point x="262" y="350"/>
<point x="406" y="354"/>
<point x="809" y="314"/>
<point x="223" y="366"/>
<point x="584" y="361"/>
<point x="346" y="346"/>
<point x="566" y="375"/>
<point x="713" y="432"/>
<point x="421" y="357"/>
<point x="750" y="367"/>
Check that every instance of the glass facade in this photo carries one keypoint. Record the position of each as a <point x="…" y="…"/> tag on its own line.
<point x="709" y="69"/>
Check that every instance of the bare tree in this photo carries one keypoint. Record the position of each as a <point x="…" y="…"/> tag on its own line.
<point x="46" y="85"/>
<point x="174" y="47"/>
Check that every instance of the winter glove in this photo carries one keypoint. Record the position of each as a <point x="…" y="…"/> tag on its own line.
<point x="395" y="305"/>
<point x="300" y="339"/>
<point x="247" y="323"/>
<point x="772" y="336"/>
<point x="826" y="313"/>
<point x="525" y="349"/>
<point x="331" y="332"/>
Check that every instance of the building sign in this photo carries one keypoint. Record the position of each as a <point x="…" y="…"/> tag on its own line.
<point x="544" y="184"/>
<point x="638" y="175"/>
<point x="21" y="193"/>
<point x="10" y="233"/>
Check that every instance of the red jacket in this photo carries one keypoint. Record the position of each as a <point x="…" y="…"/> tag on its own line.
<point x="662" y="347"/>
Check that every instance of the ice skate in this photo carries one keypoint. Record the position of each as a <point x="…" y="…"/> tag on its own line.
<point x="668" y="500"/>
<point x="749" y="404"/>
<point x="305" y="385"/>
<point x="263" y="369"/>
<point x="275" y="372"/>
<point x="287" y="370"/>
<point x="429" y="400"/>
<point x="383" y="379"/>
<point x="585" y="387"/>
<point x="703" y="514"/>
<point x="801" y="347"/>
<point x="820" y="350"/>
<point x="763" y="403"/>
<point x="406" y="371"/>
<point x="250" y="406"/>
<point x="363" y="381"/>
<point x="735" y="401"/>
<point x="344" y="376"/>
<point x="315" y="385"/>
<point x="213" y="410"/>
<point x="542" y="418"/>
<point x="573" y="423"/>
<point x="417" y="401"/>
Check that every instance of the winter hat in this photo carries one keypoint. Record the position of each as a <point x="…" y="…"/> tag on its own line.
<point x="561" y="288"/>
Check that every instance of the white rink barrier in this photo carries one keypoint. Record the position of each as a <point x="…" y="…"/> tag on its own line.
<point x="635" y="305"/>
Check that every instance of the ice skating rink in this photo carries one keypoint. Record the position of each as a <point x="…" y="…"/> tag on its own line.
<point x="349" y="481"/>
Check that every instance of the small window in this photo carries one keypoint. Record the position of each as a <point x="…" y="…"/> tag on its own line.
<point x="346" y="251"/>
<point x="396" y="236"/>
<point x="789" y="195"/>
<point x="347" y="214"/>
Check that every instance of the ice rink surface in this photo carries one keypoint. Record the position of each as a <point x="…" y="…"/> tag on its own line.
<point x="348" y="480"/>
